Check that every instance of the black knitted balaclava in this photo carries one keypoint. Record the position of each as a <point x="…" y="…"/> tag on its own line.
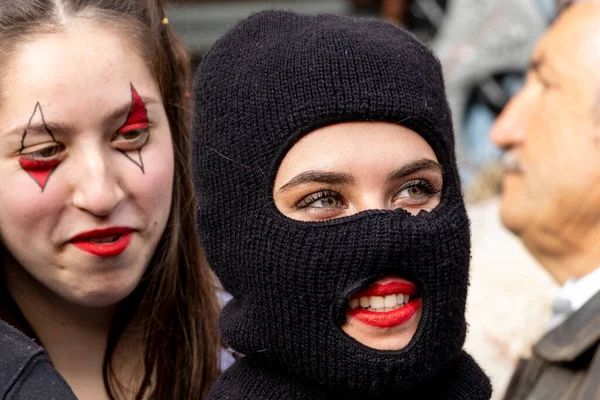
<point x="273" y="78"/>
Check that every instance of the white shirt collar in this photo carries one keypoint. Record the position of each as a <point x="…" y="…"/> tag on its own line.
<point x="577" y="292"/>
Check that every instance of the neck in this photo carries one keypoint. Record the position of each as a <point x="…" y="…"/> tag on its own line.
<point x="74" y="336"/>
<point x="565" y="253"/>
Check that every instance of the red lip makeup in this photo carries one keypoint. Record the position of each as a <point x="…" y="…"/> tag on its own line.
<point x="104" y="242"/>
<point x="385" y="305"/>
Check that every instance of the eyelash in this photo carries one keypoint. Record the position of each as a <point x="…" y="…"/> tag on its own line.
<point x="37" y="154"/>
<point x="316" y="196"/>
<point x="142" y="132"/>
<point x="140" y="126"/>
<point x="428" y="188"/>
<point x="141" y="138"/>
<point x="428" y="191"/>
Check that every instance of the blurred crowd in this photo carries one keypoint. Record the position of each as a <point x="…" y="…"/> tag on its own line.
<point x="484" y="47"/>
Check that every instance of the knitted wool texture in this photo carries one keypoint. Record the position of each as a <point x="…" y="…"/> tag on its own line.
<point x="273" y="78"/>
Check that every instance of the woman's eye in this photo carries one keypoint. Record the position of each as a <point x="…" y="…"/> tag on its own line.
<point x="417" y="189"/>
<point x="322" y="199"/>
<point x="43" y="153"/>
<point x="131" y="140"/>
<point x="132" y="134"/>
<point x="326" y="202"/>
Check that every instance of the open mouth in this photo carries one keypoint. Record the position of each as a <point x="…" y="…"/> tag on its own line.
<point x="385" y="305"/>
<point x="105" y="247"/>
<point x="104" y="242"/>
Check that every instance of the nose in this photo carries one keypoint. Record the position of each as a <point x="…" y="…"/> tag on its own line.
<point x="510" y="126"/>
<point x="96" y="187"/>
<point x="372" y="199"/>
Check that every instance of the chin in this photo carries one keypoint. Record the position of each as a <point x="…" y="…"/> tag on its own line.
<point x="390" y="344"/>
<point x="514" y="203"/>
<point x="512" y="214"/>
<point x="101" y="295"/>
<point x="394" y="338"/>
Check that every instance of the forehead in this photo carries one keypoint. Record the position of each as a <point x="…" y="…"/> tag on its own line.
<point x="571" y="47"/>
<point x="82" y="66"/>
<point x="357" y="144"/>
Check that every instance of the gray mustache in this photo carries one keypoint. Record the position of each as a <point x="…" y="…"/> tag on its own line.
<point x="510" y="162"/>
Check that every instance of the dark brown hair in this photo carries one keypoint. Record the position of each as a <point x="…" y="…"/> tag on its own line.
<point x="174" y="308"/>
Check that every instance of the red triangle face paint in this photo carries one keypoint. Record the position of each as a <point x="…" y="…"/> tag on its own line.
<point x="39" y="169"/>
<point x="138" y="116"/>
<point x="137" y="119"/>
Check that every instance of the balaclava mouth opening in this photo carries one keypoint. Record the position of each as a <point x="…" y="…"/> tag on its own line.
<point x="269" y="81"/>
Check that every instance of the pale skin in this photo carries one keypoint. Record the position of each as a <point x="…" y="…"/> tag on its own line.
<point x="80" y="76"/>
<point x="552" y="201"/>
<point x="343" y="169"/>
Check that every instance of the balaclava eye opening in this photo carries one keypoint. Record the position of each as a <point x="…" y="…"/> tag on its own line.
<point x="272" y="79"/>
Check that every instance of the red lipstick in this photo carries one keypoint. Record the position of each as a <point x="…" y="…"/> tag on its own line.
<point x="394" y="317"/>
<point x="387" y="319"/>
<point x="90" y="242"/>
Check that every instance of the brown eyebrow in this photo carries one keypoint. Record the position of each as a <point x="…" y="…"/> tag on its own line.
<point x="535" y="64"/>
<point x="65" y="128"/>
<point x="330" y="178"/>
<point x="342" y="178"/>
<point x="541" y="68"/>
<point x="419" y="165"/>
<point x="54" y="127"/>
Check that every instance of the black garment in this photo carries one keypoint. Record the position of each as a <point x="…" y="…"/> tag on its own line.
<point x="271" y="80"/>
<point x="460" y="380"/>
<point x="25" y="371"/>
<point x="565" y="364"/>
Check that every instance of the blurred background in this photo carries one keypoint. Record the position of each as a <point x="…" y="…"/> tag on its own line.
<point x="484" y="47"/>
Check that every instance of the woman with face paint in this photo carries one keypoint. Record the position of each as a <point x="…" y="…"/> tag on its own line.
<point x="98" y="258"/>
<point x="330" y="207"/>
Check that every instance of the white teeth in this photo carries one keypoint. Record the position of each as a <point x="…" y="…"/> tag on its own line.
<point x="380" y="303"/>
<point x="364" y="302"/>
<point x="390" y="301"/>
<point x="376" y="302"/>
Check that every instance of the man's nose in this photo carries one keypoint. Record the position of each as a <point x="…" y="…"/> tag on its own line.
<point x="97" y="189"/>
<point x="509" y="129"/>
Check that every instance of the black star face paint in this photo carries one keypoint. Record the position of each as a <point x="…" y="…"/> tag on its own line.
<point x="135" y="129"/>
<point x="40" y="158"/>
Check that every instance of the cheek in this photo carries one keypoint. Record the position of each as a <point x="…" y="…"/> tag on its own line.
<point x="434" y="202"/>
<point x="154" y="189"/>
<point x="28" y="216"/>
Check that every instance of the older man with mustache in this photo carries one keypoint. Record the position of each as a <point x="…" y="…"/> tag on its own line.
<point x="551" y="200"/>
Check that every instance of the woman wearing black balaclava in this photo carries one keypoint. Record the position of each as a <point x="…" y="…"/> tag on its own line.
<point x="330" y="208"/>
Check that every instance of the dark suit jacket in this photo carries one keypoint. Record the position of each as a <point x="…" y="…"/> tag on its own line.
<point x="566" y="362"/>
